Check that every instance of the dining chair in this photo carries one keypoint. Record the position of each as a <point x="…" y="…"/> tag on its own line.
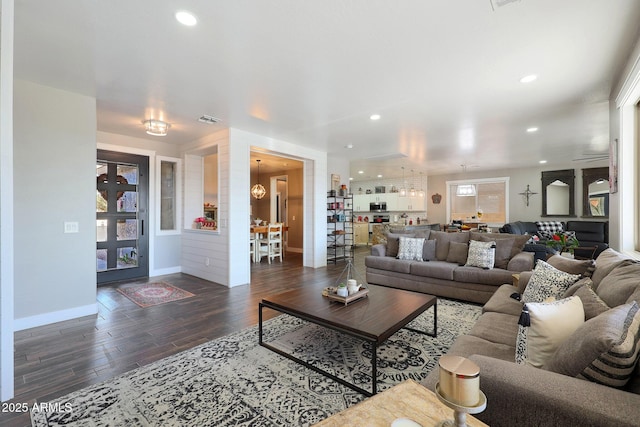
<point x="271" y="246"/>
<point x="253" y="243"/>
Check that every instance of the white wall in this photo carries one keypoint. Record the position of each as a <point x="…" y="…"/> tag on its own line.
<point x="54" y="160"/>
<point x="6" y="201"/>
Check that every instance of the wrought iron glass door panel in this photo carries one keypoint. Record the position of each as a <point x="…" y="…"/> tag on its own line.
<point x="121" y="215"/>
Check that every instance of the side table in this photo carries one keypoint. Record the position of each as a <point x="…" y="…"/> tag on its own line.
<point x="406" y="400"/>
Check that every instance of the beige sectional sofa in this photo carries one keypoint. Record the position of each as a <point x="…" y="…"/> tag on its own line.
<point x="444" y="275"/>
<point x="523" y="395"/>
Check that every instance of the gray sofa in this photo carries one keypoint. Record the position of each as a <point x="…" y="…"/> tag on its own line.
<point x="526" y="396"/>
<point x="444" y="276"/>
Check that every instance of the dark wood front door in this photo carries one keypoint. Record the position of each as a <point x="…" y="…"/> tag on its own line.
<point x="122" y="213"/>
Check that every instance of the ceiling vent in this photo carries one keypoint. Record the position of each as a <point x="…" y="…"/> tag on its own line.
<point x="208" y="119"/>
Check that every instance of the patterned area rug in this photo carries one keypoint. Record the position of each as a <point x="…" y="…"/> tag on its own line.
<point x="232" y="381"/>
<point x="150" y="294"/>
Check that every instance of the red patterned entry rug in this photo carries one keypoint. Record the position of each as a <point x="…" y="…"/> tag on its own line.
<point x="150" y="294"/>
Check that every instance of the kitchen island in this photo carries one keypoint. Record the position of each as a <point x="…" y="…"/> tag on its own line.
<point x="378" y="232"/>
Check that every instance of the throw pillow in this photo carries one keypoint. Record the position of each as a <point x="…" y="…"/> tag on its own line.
<point x="410" y="248"/>
<point x="584" y="268"/>
<point x="547" y="281"/>
<point x="544" y="326"/>
<point x="393" y="244"/>
<point x="429" y="250"/>
<point x="549" y="227"/>
<point x="603" y="350"/>
<point x="458" y="252"/>
<point x="443" y="239"/>
<point x="481" y="254"/>
<point x="620" y="284"/>
<point x="591" y="302"/>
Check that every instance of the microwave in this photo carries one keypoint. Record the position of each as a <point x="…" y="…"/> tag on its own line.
<point x="378" y="206"/>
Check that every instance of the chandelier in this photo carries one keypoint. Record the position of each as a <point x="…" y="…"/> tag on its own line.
<point x="258" y="191"/>
<point x="156" y="127"/>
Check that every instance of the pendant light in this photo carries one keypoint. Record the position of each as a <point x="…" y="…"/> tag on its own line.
<point x="258" y="191"/>
<point x="403" y="189"/>
<point x="465" y="190"/>
<point x="412" y="190"/>
<point x="421" y="192"/>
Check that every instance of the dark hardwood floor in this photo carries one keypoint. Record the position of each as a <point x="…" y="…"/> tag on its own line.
<point x="53" y="360"/>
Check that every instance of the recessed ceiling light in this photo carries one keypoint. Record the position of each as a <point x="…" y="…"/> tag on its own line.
<point x="350" y="178"/>
<point x="379" y="176"/>
<point x="532" y="129"/>
<point x="528" y="79"/>
<point x="348" y="146"/>
<point x="542" y="162"/>
<point x="186" y="18"/>
<point x="361" y="172"/>
<point x="375" y="117"/>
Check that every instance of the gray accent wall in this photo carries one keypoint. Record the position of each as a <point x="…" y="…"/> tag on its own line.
<point x="54" y="182"/>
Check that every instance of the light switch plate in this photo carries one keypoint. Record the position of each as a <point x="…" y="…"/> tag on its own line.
<point x="71" y="227"/>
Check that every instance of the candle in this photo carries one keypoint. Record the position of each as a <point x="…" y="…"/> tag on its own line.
<point x="459" y="380"/>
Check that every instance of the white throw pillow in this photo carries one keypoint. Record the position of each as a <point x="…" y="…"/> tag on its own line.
<point x="544" y="326"/>
<point x="481" y="254"/>
<point x="547" y="281"/>
<point x="410" y="248"/>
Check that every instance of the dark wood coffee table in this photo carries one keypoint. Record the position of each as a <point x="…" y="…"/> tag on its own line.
<point x="373" y="319"/>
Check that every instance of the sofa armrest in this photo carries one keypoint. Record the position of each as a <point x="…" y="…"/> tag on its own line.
<point x="379" y="250"/>
<point x="525" y="396"/>
<point x="522" y="261"/>
<point x="523" y="280"/>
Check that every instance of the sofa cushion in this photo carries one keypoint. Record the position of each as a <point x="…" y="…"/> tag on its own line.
<point x="388" y="263"/>
<point x="591" y="302"/>
<point x="457" y="253"/>
<point x="604" y="349"/>
<point x="429" y="250"/>
<point x="605" y="263"/>
<point x="544" y="326"/>
<point x="496" y="327"/>
<point x="436" y="269"/>
<point x="494" y="276"/>
<point x="466" y="345"/>
<point x="410" y="248"/>
<point x="481" y="254"/>
<point x="501" y="301"/>
<point x="423" y="233"/>
<point x="393" y="243"/>
<point x="623" y="281"/>
<point x="507" y="245"/>
<point x="584" y="268"/>
<point x="443" y="239"/>
<point x="547" y="281"/>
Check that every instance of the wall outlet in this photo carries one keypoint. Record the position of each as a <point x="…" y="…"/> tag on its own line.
<point x="293" y="218"/>
<point x="207" y="261"/>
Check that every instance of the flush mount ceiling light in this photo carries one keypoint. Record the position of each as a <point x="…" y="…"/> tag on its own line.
<point x="186" y="18"/>
<point x="258" y="191"/>
<point x="156" y="127"/>
<point x="528" y="79"/>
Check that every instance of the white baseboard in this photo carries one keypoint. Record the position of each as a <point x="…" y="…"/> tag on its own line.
<point x="163" y="271"/>
<point x="54" y="316"/>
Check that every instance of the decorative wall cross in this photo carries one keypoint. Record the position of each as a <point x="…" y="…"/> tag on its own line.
<point x="527" y="193"/>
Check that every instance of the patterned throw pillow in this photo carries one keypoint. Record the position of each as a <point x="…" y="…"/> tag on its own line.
<point x="547" y="281"/>
<point x="410" y="248"/>
<point x="481" y="254"/>
<point x="544" y="326"/>
<point x="547" y="229"/>
<point x="604" y="349"/>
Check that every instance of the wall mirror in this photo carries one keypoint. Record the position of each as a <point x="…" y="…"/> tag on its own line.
<point x="595" y="192"/>
<point x="558" y="193"/>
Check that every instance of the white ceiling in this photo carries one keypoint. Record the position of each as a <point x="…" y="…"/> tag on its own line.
<point x="443" y="75"/>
